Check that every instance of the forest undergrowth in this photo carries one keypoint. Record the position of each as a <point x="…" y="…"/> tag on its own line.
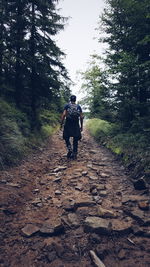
<point x="17" y="139"/>
<point x="130" y="147"/>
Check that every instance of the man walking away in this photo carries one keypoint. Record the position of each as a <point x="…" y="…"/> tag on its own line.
<point x="72" y="115"/>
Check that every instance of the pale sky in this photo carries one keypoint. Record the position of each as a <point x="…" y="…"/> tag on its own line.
<point x="79" y="39"/>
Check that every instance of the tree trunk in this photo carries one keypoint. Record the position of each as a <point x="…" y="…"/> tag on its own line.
<point x="18" y="78"/>
<point x="143" y="101"/>
<point x="1" y="43"/>
<point x="33" y="70"/>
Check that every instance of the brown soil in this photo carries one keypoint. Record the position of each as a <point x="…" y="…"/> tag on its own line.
<point x="36" y="193"/>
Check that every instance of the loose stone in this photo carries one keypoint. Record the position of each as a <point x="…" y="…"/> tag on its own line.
<point x="97" y="225"/>
<point x="3" y="181"/>
<point x="42" y="182"/>
<point x="97" y="199"/>
<point x="57" y="192"/>
<point x="51" y="228"/>
<point x="93" y="151"/>
<point x="138" y="215"/>
<point x="93" y="177"/>
<point x="84" y="173"/>
<point x="86" y="202"/>
<point x="104" y="175"/>
<point x="39" y="205"/>
<point x="100" y="187"/>
<point x="121" y="227"/>
<point x="73" y="220"/>
<point x="36" y="201"/>
<point x="103" y="193"/>
<point x="30" y="230"/>
<point x="49" y="197"/>
<point x="79" y="187"/>
<point x="14" y="185"/>
<point x="60" y="168"/>
<point x="77" y="170"/>
<point x="105" y="213"/>
<point x="89" y="165"/>
<point x="143" y="205"/>
<point x="69" y="204"/>
<point x="57" y="180"/>
<point x="94" y="168"/>
<point x="133" y="198"/>
<point x="94" y="192"/>
<point x="36" y="190"/>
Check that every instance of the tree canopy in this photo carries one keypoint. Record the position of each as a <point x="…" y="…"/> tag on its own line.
<point x="126" y="26"/>
<point x="32" y="74"/>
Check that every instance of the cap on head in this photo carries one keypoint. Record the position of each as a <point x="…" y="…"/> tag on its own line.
<point x="73" y="98"/>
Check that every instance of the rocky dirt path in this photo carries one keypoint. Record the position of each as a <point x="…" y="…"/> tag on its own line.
<point x="61" y="213"/>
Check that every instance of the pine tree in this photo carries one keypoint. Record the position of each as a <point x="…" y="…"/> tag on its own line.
<point x="1" y="38"/>
<point x="30" y="61"/>
<point x="127" y="26"/>
<point x="3" y="42"/>
<point x="45" y="57"/>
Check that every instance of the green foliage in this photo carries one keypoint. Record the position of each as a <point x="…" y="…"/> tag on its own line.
<point x="16" y="138"/>
<point x="99" y="129"/>
<point x="126" y="27"/>
<point x="9" y="112"/>
<point x="46" y="131"/>
<point x="120" y="91"/>
<point x="132" y="148"/>
<point x="49" y="121"/>
<point x="48" y="117"/>
<point x="32" y="76"/>
<point x="120" y="94"/>
<point x="12" y="141"/>
<point x="96" y="84"/>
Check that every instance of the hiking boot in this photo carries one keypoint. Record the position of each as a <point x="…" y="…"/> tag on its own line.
<point x="69" y="154"/>
<point x="74" y="155"/>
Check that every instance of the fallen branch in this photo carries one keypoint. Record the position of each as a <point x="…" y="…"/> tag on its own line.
<point x="131" y="241"/>
<point x="96" y="260"/>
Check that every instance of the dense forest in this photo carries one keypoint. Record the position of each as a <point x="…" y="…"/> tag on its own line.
<point x="66" y="203"/>
<point x="33" y="80"/>
<point x="118" y="83"/>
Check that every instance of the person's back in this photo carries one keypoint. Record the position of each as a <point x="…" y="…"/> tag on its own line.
<point x="72" y="113"/>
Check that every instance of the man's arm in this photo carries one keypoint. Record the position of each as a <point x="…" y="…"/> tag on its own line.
<point x="81" y="118"/>
<point x="62" y="118"/>
<point x="81" y="121"/>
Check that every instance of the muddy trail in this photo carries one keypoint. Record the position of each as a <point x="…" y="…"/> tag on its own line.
<point x="72" y="213"/>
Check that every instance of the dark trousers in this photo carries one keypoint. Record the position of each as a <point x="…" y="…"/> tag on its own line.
<point x="75" y="144"/>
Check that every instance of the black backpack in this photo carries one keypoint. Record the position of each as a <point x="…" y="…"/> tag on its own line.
<point x="72" y="112"/>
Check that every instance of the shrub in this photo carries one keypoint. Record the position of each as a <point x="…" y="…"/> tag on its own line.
<point x="12" y="141"/>
<point x="16" y="137"/>
<point x="46" y="117"/>
<point x="47" y="131"/>
<point x="133" y="148"/>
<point x="99" y="129"/>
